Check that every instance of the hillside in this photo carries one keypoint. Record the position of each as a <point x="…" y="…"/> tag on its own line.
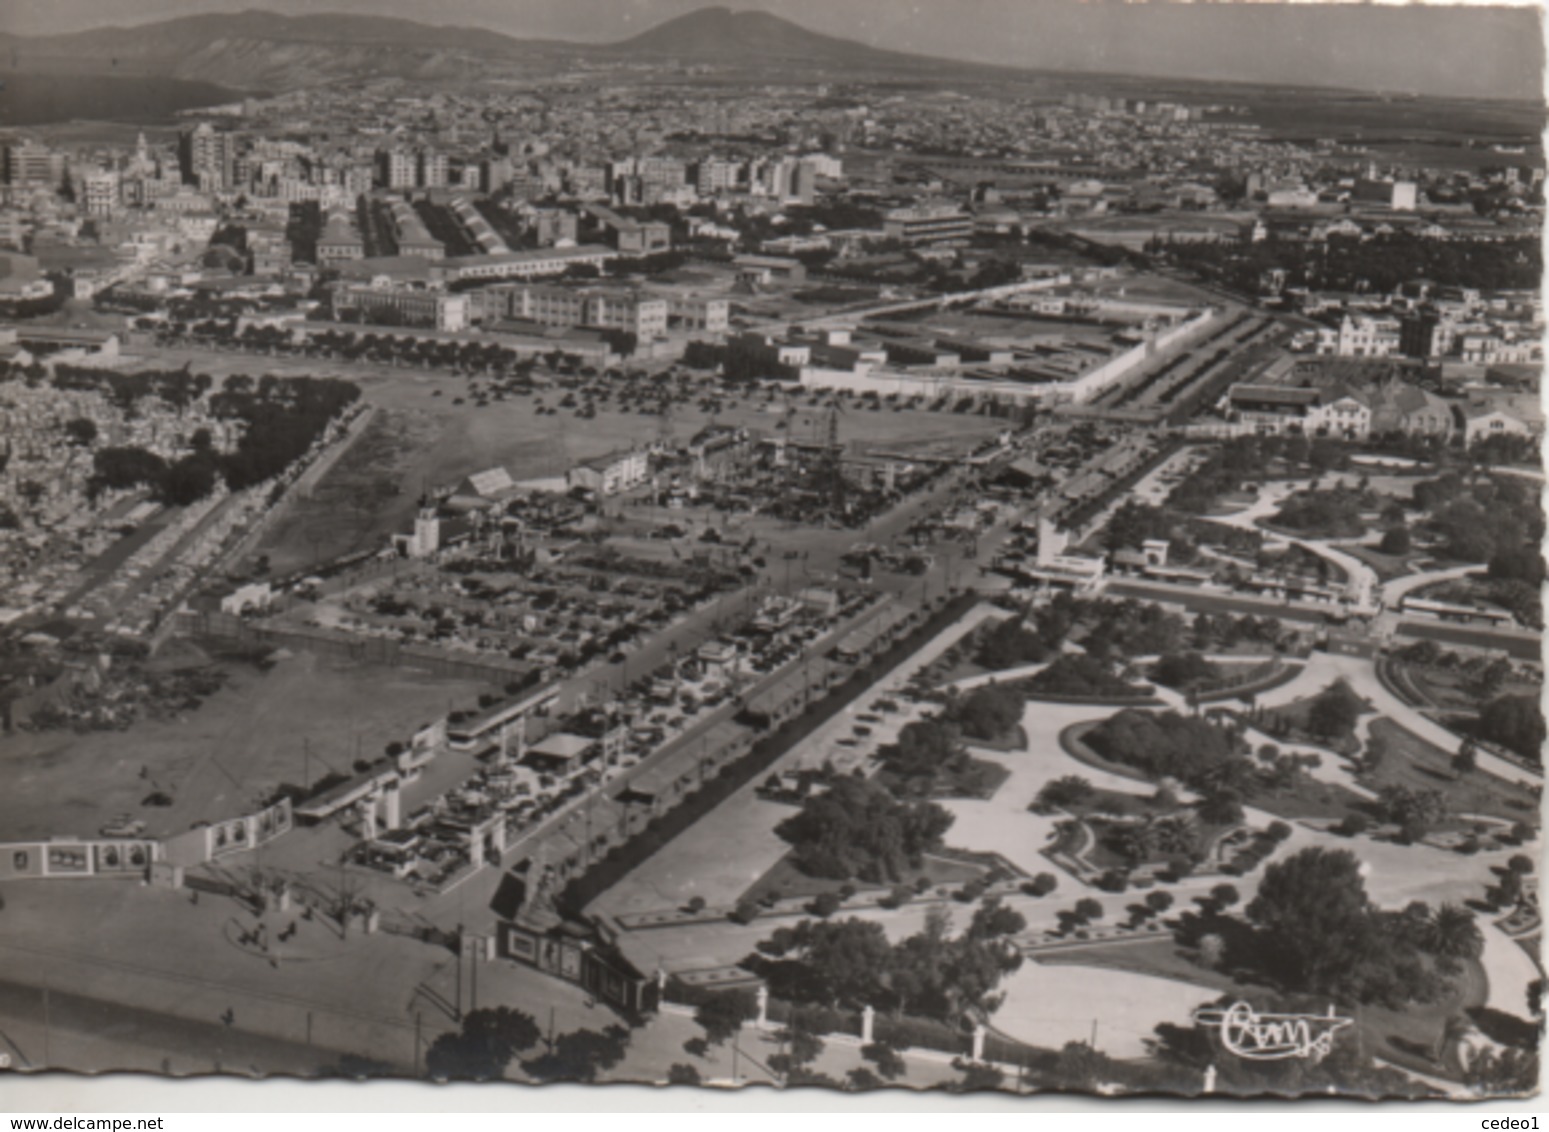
<point x="712" y="34"/>
<point x="261" y="50"/>
<point x="256" y="50"/>
<point x="1192" y="43"/>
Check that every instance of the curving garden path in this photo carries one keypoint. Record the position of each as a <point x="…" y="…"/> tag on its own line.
<point x="1393" y="591"/>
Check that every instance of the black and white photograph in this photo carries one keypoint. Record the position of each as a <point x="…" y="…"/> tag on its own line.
<point x="958" y="546"/>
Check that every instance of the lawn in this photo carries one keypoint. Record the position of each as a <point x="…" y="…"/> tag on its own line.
<point x="1451" y="690"/>
<point x="1413" y="762"/>
<point x="1284" y="674"/>
<point x="1073" y="740"/>
<point x="785" y="880"/>
<point x="1307" y="798"/>
<point x="1399" y="1036"/>
<point x="1387" y="566"/>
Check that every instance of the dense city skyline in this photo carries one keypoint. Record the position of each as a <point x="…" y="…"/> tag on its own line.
<point x="1411" y="49"/>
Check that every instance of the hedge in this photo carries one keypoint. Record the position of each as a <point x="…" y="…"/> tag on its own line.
<point x="1280" y="673"/>
<point x="1009" y="1051"/>
<point x="1139" y="699"/>
<point x="687" y="994"/>
<point x="629" y="855"/>
<point x="920" y="1033"/>
<point x="815" y="1019"/>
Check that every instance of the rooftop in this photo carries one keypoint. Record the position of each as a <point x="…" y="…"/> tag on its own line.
<point x="562" y="745"/>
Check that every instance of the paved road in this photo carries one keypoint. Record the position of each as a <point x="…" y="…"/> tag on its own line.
<point x="1394" y="589"/>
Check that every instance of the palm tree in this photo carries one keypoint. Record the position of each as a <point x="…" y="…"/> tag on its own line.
<point x="1455" y="933"/>
<point x="1176" y="834"/>
<point x="1135" y="843"/>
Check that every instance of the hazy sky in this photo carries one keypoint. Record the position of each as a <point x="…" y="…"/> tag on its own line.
<point x="1474" y="49"/>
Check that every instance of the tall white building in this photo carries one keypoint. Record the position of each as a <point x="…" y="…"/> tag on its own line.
<point x="433" y="169"/>
<point x="99" y="192"/>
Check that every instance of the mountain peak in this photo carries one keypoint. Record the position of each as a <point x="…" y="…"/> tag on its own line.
<point x="719" y="32"/>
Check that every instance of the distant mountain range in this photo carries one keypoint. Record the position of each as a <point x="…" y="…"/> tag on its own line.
<point x="266" y="51"/>
<point x="257" y="50"/>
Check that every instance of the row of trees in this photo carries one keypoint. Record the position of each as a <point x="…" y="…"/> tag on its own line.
<point x="491" y="1039"/>
<point x="1110" y="631"/>
<point x="488" y="358"/>
<point x="850" y="964"/>
<point x="1380" y="263"/>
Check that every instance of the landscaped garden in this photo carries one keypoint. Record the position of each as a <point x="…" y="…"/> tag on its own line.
<point x="1411" y="979"/>
<point x="1398" y="758"/>
<point x="786" y="880"/>
<point x="1210" y="755"/>
<point x="1328" y="719"/>
<point x="1077" y="677"/>
<point x="1115" y="840"/>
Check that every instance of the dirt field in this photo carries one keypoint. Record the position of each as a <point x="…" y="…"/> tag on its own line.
<point x="218" y="760"/>
<point x="420" y="440"/>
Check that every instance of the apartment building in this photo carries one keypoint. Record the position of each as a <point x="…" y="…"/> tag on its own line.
<point x="522" y="265"/>
<point x="100" y="192"/>
<point x="340" y="240"/>
<point x="410" y="233"/>
<point x="602" y="308"/>
<point x="553" y="226"/>
<point x="207" y="157"/>
<point x="398" y="168"/>
<point x="1359" y="337"/>
<point x="1279" y="410"/>
<point x="928" y="224"/>
<point x="632" y="237"/>
<point x="696" y="312"/>
<point x="383" y="302"/>
<point x="610" y="474"/>
<point x="27" y="163"/>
